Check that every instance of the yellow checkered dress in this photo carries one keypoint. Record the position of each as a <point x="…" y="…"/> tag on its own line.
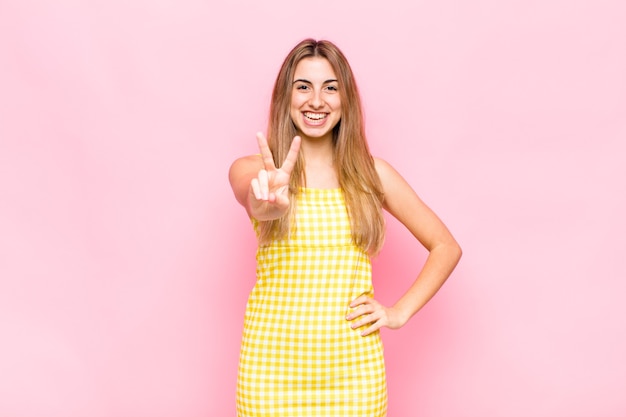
<point x="299" y="356"/>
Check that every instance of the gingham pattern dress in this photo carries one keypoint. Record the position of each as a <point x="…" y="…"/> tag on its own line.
<point x="299" y="356"/>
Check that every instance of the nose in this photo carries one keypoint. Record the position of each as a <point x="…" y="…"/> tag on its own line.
<point x="316" y="100"/>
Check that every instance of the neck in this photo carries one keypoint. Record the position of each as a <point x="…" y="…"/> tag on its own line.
<point x="317" y="149"/>
<point x="319" y="165"/>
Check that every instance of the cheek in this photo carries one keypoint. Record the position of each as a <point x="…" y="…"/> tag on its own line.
<point x="294" y="107"/>
<point x="293" y="104"/>
<point x="293" y="111"/>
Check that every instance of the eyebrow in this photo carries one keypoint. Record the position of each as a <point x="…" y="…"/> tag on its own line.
<point x="309" y="82"/>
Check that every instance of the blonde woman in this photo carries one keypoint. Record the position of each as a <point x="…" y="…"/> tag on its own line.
<point x="311" y="345"/>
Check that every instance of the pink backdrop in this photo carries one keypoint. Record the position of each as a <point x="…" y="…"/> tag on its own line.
<point x="125" y="262"/>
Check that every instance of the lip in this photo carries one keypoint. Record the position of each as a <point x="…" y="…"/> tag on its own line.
<point x="314" y="122"/>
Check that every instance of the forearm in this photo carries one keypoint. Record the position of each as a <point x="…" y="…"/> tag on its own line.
<point x="439" y="264"/>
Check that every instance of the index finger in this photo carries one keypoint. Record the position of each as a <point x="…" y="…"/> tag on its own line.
<point x="292" y="155"/>
<point x="359" y="301"/>
<point x="266" y="153"/>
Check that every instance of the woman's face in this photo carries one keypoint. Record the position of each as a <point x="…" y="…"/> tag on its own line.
<point x="315" y="101"/>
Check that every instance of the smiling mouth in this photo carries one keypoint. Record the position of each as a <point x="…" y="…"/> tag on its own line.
<point x="315" y="116"/>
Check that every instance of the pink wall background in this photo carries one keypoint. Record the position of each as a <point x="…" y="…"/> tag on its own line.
<point x="125" y="262"/>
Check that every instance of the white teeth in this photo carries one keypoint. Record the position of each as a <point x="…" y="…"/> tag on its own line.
<point x="314" y="116"/>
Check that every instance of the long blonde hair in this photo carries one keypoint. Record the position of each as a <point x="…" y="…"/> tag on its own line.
<point x="353" y="161"/>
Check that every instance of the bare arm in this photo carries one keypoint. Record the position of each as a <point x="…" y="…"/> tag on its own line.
<point x="444" y="253"/>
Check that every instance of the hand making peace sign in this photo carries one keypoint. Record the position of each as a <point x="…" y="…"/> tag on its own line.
<point x="269" y="190"/>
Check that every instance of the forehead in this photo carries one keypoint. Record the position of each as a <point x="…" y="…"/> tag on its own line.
<point x="314" y="69"/>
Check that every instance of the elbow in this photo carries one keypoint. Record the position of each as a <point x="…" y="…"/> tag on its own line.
<point x="455" y="248"/>
<point x="455" y="253"/>
<point x="449" y="253"/>
<point x="458" y="252"/>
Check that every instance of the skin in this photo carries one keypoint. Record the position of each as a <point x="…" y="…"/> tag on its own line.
<point x="315" y="93"/>
<point x="262" y="188"/>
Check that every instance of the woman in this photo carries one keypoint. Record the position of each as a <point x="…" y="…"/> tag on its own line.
<point x="311" y="343"/>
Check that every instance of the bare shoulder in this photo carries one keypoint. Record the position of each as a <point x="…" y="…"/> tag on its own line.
<point x="244" y="166"/>
<point x="382" y="167"/>
<point x="390" y="179"/>
<point x="254" y="162"/>
<point x="241" y="172"/>
<point x="400" y="199"/>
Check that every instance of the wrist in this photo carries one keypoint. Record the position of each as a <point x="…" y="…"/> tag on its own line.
<point x="403" y="314"/>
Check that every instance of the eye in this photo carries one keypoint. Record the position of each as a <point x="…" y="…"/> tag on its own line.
<point x="332" y="88"/>
<point x="302" y="87"/>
